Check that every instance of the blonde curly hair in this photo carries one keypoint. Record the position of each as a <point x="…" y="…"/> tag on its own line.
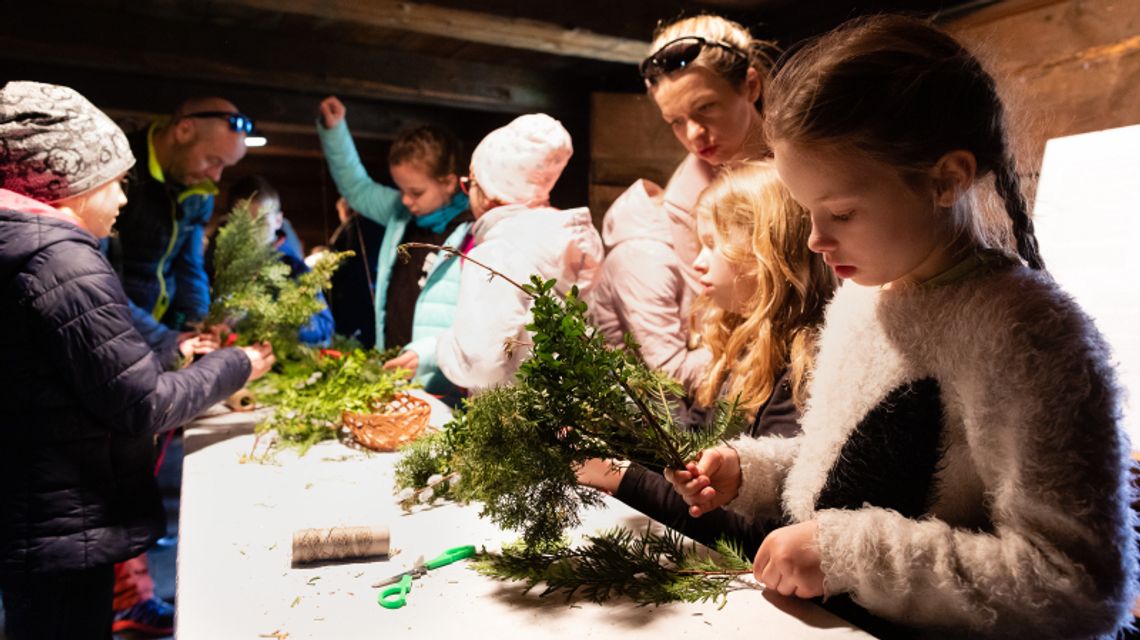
<point x="759" y="227"/>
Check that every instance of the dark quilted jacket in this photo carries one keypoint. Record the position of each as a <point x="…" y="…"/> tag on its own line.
<point x="81" y="398"/>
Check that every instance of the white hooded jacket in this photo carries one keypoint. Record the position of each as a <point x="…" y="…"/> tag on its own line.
<point x="488" y="340"/>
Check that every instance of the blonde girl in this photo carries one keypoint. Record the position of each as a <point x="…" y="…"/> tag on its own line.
<point x="763" y="290"/>
<point x="765" y="294"/>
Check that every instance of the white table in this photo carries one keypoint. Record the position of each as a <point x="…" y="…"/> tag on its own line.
<point x="235" y="579"/>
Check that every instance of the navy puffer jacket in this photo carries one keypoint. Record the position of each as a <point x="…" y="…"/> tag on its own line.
<point x="81" y="398"/>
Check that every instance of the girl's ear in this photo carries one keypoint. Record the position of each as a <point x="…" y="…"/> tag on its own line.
<point x="753" y="85"/>
<point x="450" y="182"/>
<point x="952" y="176"/>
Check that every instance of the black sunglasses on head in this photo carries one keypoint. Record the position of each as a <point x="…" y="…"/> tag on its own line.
<point x="238" y="121"/>
<point x="678" y="54"/>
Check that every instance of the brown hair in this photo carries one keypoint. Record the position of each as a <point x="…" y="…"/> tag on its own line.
<point x="760" y="227"/>
<point x="435" y="149"/>
<point x="905" y="93"/>
<point x="721" y="62"/>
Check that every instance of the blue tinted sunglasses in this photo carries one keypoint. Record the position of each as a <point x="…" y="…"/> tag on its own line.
<point x="238" y="121"/>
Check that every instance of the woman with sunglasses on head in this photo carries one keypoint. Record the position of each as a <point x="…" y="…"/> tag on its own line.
<point x="158" y="248"/>
<point x="706" y="75"/>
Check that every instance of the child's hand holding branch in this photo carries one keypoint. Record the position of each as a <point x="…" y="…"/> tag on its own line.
<point x="710" y="482"/>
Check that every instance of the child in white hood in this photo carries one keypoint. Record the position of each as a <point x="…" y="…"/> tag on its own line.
<point x="519" y="234"/>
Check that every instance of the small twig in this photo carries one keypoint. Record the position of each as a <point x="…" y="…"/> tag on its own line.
<point x="723" y="572"/>
<point x="414" y="498"/>
<point x="253" y="449"/>
<point x="457" y="253"/>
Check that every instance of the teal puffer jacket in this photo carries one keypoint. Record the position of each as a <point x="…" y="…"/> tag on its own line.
<point x="435" y="307"/>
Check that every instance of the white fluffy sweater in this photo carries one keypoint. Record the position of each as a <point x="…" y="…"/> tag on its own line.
<point x="1028" y="529"/>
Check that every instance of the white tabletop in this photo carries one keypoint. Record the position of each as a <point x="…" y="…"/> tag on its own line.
<point x="235" y="579"/>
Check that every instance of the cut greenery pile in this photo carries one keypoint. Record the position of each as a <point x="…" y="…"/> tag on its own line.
<point x="310" y="390"/>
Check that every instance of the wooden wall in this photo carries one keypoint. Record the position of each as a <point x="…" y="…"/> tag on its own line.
<point x="1066" y="66"/>
<point x="628" y="141"/>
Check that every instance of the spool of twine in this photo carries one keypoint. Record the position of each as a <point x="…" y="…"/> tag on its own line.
<point x="241" y="401"/>
<point x="339" y="543"/>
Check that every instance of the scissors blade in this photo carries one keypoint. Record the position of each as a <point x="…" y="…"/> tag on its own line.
<point x="416" y="571"/>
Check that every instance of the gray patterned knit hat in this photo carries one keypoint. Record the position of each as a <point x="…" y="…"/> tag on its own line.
<point x="54" y="144"/>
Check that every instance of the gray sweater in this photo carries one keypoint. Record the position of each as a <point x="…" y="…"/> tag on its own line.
<point x="1011" y="517"/>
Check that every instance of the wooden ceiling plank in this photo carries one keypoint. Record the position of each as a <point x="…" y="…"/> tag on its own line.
<point x="518" y="33"/>
<point x="171" y="65"/>
<point x="137" y="97"/>
<point x="267" y="59"/>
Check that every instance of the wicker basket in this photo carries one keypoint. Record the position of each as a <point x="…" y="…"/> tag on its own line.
<point x="392" y="425"/>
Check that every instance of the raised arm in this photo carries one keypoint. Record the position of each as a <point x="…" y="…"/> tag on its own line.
<point x="371" y="199"/>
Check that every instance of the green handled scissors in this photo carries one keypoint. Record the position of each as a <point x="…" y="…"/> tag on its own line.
<point x="395" y="595"/>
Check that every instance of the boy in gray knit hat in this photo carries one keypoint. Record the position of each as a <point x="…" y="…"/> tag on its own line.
<point x="54" y="144"/>
<point x="83" y="394"/>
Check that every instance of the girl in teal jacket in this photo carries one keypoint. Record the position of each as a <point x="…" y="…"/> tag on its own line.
<point x="415" y="300"/>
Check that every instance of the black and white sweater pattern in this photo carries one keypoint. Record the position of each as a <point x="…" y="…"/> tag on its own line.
<point x="963" y="457"/>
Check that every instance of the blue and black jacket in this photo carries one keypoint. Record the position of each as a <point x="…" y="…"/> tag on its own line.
<point x="160" y="234"/>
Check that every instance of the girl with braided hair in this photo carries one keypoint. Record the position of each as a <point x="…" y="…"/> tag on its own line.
<point x="1001" y="509"/>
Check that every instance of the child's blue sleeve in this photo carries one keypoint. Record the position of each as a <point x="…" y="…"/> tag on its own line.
<point x="318" y="331"/>
<point x="162" y="340"/>
<point x="425" y="351"/>
<point x="373" y="200"/>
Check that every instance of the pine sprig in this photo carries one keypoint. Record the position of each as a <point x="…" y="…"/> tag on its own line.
<point x="650" y="568"/>
<point x="253" y="291"/>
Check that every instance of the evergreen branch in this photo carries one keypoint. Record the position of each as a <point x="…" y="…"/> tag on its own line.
<point x="650" y="568"/>
<point x="674" y="455"/>
<point x="253" y="290"/>
<point x="663" y="437"/>
<point x="516" y="447"/>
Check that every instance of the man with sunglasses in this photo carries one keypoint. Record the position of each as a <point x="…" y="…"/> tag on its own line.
<point x="170" y="200"/>
<point x="158" y="253"/>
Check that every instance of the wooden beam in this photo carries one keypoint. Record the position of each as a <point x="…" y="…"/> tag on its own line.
<point x="1100" y="53"/>
<point x="995" y="11"/>
<point x="518" y="33"/>
<point x="135" y="98"/>
<point x="273" y="60"/>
